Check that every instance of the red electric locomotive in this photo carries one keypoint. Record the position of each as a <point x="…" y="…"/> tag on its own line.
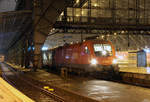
<point x="91" y="55"/>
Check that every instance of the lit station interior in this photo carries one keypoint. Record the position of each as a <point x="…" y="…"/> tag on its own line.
<point x="75" y="50"/>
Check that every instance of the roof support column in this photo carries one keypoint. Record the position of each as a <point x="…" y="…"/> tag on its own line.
<point x="46" y="13"/>
<point x="39" y="40"/>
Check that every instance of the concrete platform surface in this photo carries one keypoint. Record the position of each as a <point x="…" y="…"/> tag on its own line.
<point x="103" y="91"/>
<point x="10" y="94"/>
<point x="140" y="70"/>
<point x="100" y="90"/>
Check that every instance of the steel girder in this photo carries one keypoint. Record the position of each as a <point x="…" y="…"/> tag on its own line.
<point x="46" y="13"/>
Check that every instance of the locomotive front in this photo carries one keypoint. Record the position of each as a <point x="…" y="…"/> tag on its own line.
<point x="103" y="56"/>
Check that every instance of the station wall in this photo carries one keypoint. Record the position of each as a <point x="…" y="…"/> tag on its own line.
<point x="129" y="59"/>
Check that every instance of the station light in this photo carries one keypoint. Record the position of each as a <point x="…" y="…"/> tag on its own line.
<point x="33" y="48"/>
<point x="53" y="29"/>
<point x="29" y="48"/>
<point x="67" y="57"/>
<point x="77" y="15"/>
<point x="122" y="31"/>
<point x="120" y="57"/>
<point x="148" y="70"/>
<point x="95" y="5"/>
<point x="62" y="14"/>
<point x="115" y="33"/>
<point x="82" y="12"/>
<point x="147" y="50"/>
<point x="108" y="35"/>
<point x="102" y="36"/>
<point x="77" y="1"/>
<point x="44" y="48"/>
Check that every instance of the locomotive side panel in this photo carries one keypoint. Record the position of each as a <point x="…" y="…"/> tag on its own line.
<point x="76" y="54"/>
<point x="57" y="57"/>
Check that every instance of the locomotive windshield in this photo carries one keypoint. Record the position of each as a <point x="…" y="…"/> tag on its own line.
<point x="103" y="50"/>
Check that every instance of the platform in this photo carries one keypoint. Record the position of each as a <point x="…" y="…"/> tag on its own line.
<point x="10" y="94"/>
<point x="140" y="70"/>
<point x="98" y="90"/>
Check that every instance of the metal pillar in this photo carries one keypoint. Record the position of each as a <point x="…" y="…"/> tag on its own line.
<point x="114" y="11"/>
<point x="46" y="13"/>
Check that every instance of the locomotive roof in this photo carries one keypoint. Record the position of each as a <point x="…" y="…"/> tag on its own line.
<point x="88" y="41"/>
<point x="80" y="43"/>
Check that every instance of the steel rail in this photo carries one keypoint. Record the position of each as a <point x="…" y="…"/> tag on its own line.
<point x="50" y="94"/>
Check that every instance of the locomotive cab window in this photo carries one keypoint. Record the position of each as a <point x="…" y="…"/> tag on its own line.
<point x="103" y="50"/>
<point x="87" y="50"/>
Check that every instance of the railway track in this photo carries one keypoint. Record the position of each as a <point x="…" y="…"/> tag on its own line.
<point x="34" y="91"/>
<point x="92" y="90"/>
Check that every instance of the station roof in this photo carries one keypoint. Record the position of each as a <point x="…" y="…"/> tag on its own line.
<point x="122" y="42"/>
<point x="7" y="5"/>
<point x="12" y="25"/>
<point x="125" y="10"/>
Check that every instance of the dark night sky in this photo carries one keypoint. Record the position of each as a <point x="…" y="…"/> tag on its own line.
<point x="7" y="5"/>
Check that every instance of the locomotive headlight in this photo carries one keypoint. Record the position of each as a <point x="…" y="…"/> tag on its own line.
<point x="104" y="52"/>
<point x="93" y="61"/>
<point x="115" y="61"/>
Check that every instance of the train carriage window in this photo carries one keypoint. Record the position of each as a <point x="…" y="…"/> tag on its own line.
<point x="87" y="50"/>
